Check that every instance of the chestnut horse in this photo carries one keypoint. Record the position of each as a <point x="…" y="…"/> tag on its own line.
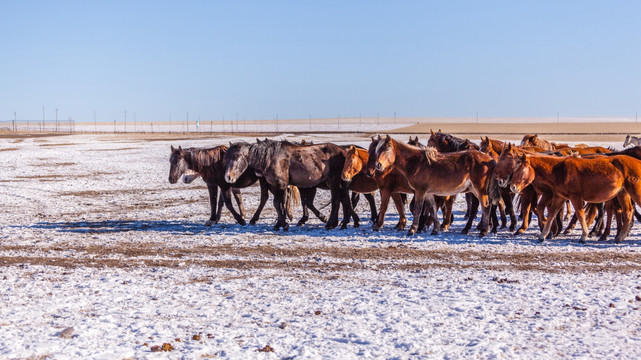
<point x="282" y="163"/>
<point x="430" y="173"/>
<point x="580" y="180"/>
<point x="209" y="164"/>
<point x="390" y="184"/>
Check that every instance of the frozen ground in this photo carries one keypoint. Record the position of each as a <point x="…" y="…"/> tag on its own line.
<point x="102" y="258"/>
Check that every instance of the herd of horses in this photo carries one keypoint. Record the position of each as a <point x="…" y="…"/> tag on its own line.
<point x="539" y="176"/>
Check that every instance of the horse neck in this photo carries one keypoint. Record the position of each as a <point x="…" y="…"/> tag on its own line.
<point x="543" y="166"/>
<point x="407" y="157"/>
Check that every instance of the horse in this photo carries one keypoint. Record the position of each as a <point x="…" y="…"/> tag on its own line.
<point x="209" y="164"/>
<point x="358" y="182"/>
<point x="534" y="140"/>
<point x="632" y="140"/>
<point x="580" y="180"/>
<point x="430" y="173"/>
<point x="282" y="163"/>
<point x="445" y="142"/>
<point x="390" y="184"/>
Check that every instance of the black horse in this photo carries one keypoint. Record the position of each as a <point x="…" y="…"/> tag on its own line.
<point x="208" y="163"/>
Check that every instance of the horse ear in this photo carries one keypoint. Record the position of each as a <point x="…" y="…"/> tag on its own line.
<point x="379" y="136"/>
<point x="230" y="144"/>
<point x="388" y="137"/>
<point x="431" y="131"/>
<point x="257" y="140"/>
<point x="416" y="139"/>
<point x="180" y="148"/>
<point x="172" y="148"/>
<point x="439" y="130"/>
<point x="373" y="136"/>
<point x="411" y="138"/>
<point x="523" y="158"/>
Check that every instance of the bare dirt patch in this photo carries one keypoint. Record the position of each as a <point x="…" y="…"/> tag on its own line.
<point x="9" y="149"/>
<point x="324" y="259"/>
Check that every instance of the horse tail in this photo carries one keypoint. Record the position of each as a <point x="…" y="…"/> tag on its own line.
<point x="296" y="194"/>
<point x="293" y="195"/>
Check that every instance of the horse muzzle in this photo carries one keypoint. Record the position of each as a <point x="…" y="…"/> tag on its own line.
<point x="230" y="179"/>
<point x="515" y="189"/>
<point x="346" y="177"/>
<point x="172" y="180"/>
<point x="502" y="182"/>
<point x="379" y="166"/>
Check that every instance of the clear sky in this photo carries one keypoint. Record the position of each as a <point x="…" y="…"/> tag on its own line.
<point x="320" y="58"/>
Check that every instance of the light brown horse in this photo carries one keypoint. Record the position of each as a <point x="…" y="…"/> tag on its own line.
<point x="430" y="173"/>
<point x="580" y="180"/>
<point x="390" y="184"/>
<point x="535" y="140"/>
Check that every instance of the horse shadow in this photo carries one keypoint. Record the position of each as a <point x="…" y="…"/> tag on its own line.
<point x="121" y="226"/>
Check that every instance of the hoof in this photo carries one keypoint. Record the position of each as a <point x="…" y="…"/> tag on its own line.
<point x="519" y="232"/>
<point x="210" y="223"/>
<point x="411" y="232"/>
<point x="512" y="227"/>
<point x="434" y="232"/>
<point x="242" y="222"/>
<point x="252" y="222"/>
<point x="323" y="219"/>
<point x="276" y="227"/>
<point x="465" y="231"/>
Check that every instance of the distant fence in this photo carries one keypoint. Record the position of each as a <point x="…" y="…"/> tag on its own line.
<point x="47" y="126"/>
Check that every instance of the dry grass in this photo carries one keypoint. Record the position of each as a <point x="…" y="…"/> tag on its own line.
<point x="9" y="149"/>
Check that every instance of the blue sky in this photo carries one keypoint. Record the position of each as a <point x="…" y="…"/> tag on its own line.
<point x="319" y="58"/>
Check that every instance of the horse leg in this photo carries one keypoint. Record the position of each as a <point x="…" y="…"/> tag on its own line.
<point x="494" y="219"/>
<point x="419" y="200"/>
<point x="312" y="207"/>
<point x="385" y="195"/>
<point x="598" y="221"/>
<point x="305" y="195"/>
<point x="372" y="206"/>
<point x="400" y="208"/>
<point x="239" y="201"/>
<point x="448" y="203"/>
<point x="264" y="195"/>
<point x="470" y="220"/>
<point x="348" y="210"/>
<point x="577" y="203"/>
<point x="279" y="204"/>
<point x="567" y="209"/>
<point x="227" y="195"/>
<point x="470" y="205"/>
<point x="571" y="224"/>
<point x="430" y="207"/>
<point x="555" y="206"/>
<point x="543" y="203"/>
<point x="213" y="199"/>
<point x="507" y="197"/>
<point x="627" y="216"/>
<point x="336" y="202"/>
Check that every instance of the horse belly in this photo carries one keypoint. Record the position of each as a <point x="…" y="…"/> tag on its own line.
<point x="306" y="177"/>
<point x="596" y="188"/>
<point x="447" y="187"/>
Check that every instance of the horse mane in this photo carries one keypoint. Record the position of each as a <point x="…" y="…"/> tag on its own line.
<point x="262" y="152"/>
<point x="203" y="157"/>
<point x="456" y="143"/>
<point x="430" y="154"/>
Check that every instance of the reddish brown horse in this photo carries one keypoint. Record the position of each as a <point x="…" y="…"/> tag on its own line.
<point x="430" y="173"/>
<point x="390" y="184"/>
<point x="580" y="180"/>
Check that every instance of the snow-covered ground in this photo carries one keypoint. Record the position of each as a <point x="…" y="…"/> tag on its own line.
<point x="100" y="257"/>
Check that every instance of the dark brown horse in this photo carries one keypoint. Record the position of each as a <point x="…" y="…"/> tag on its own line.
<point x="209" y="164"/>
<point x="430" y="173"/>
<point x="282" y="163"/>
<point x="580" y="180"/>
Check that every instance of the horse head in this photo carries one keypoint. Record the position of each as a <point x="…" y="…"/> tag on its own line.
<point x="177" y="164"/>
<point x="236" y="160"/>
<point x="384" y="154"/>
<point x="353" y="164"/>
<point x="627" y="141"/>
<point x="523" y="174"/>
<point x="506" y="165"/>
